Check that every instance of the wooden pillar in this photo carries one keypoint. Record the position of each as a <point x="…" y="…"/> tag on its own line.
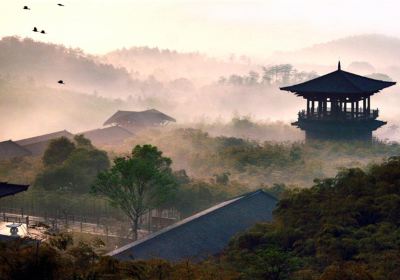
<point x="308" y="107"/>
<point x="364" y="106"/>
<point x="352" y="109"/>
<point x="357" y="108"/>
<point x="334" y="107"/>
<point x="369" y="104"/>
<point x="326" y="106"/>
<point x="312" y="107"/>
<point x="321" y="107"/>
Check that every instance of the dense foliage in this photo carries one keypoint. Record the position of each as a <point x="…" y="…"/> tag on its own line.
<point x="71" y="166"/>
<point x="63" y="259"/>
<point x="346" y="227"/>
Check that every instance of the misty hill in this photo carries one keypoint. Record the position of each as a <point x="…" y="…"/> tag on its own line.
<point x="28" y="110"/>
<point x="47" y="63"/>
<point x="168" y="65"/>
<point x="378" y="50"/>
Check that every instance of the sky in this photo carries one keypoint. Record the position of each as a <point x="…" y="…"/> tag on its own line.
<point x="253" y="28"/>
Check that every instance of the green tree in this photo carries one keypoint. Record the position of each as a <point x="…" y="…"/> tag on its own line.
<point x="73" y="171"/>
<point x="58" y="151"/>
<point x="137" y="183"/>
<point x="82" y="142"/>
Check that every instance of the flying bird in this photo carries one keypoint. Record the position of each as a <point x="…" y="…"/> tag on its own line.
<point x="61" y="82"/>
<point x="43" y="32"/>
<point x="61" y="5"/>
<point x="35" y="29"/>
<point x="26" y="8"/>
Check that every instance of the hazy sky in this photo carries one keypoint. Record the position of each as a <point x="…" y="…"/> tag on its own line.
<point x="254" y="28"/>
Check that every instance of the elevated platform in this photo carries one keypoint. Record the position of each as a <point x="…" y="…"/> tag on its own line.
<point x="336" y="129"/>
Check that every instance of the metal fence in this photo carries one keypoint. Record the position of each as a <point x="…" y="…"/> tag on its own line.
<point x="104" y="226"/>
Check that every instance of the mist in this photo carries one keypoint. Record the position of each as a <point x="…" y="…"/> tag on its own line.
<point x="196" y="89"/>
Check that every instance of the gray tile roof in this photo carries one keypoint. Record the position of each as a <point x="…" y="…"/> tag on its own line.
<point x="204" y="234"/>
<point x="147" y="117"/>
<point x="10" y="149"/>
<point x="107" y="136"/>
<point x="45" y="137"/>
<point x="38" y="144"/>
<point x="339" y="82"/>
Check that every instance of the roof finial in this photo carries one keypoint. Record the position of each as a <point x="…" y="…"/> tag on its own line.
<point x="338" y="66"/>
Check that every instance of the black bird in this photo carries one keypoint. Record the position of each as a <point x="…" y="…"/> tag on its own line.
<point x="35" y="29"/>
<point x="26" y="8"/>
<point x="61" y="82"/>
<point x="43" y="32"/>
<point x="61" y="5"/>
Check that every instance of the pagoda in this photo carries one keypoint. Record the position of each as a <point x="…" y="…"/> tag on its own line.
<point x="339" y="106"/>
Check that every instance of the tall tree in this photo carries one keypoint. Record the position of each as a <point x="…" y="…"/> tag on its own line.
<point x="58" y="151"/>
<point x="137" y="183"/>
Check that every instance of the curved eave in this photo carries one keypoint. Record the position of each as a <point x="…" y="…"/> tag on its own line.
<point x="347" y="94"/>
<point x="294" y="89"/>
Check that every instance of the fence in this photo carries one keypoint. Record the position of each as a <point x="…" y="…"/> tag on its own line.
<point x="68" y="225"/>
<point x="108" y="227"/>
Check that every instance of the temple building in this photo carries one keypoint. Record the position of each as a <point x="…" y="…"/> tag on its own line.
<point x="339" y="106"/>
<point x="134" y="121"/>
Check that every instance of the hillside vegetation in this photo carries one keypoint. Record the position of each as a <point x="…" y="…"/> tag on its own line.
<point x="47" y="63"/>
<point x="254" y="163"/>
<point x="344" y="227"/>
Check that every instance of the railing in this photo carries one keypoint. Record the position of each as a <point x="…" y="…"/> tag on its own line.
<point x="339" y="115"/>
<point x="109" y="227"/>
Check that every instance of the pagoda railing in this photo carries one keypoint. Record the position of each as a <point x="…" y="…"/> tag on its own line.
<point x="339" y="115"/>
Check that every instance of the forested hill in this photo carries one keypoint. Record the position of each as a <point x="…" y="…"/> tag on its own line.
<point x="346" y="227"/>
<point x="167" y="65"/>
<point x="46" y="63"/>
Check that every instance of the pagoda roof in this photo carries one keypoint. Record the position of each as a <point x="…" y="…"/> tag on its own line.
<point x="339" y="82"/>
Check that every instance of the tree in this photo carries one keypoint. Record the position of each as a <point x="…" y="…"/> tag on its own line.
<point x="58" y="151"/>
<point x="137" y="183"/>
<point x="74" y="168"/>
<point x="82" y="142"/>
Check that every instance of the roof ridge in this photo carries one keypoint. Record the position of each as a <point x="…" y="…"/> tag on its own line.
<point x="305" y="82"/>
<point x="46" y="134"/>
<point x="104" y="128"/>
<point x="344" y="74"/>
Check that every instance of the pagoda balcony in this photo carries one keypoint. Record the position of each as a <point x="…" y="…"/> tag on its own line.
<point x="339" y="115"/>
